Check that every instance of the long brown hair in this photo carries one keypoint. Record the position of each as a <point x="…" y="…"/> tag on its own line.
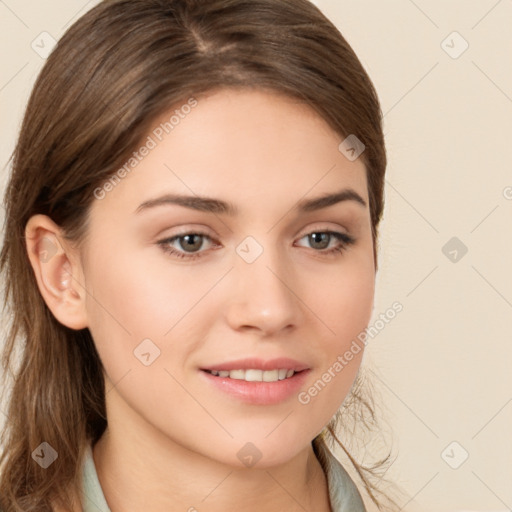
<point x="117" y="69"/>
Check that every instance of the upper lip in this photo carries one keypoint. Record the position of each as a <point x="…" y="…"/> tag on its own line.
<point x="259" y="364"/>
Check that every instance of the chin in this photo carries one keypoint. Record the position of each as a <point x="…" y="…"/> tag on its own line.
<point x="260" y="453"/>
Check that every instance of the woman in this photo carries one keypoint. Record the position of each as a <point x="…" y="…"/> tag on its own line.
<point x="190" y="258"/>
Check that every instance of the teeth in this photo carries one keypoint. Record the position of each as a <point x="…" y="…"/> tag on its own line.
<point x="253" y="375"/>
<point x="237" y="374"/>
<point x="282" y="374"/>
<point x="271" y="376"/>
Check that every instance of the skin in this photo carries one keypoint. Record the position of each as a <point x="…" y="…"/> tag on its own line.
<point x="172" y="439"/>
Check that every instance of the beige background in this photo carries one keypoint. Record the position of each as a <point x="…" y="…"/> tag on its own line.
<point x="444" y="362"/>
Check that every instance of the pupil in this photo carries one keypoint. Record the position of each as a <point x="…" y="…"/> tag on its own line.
<point x="189" y="241"/>
<point x="322" y="238"/>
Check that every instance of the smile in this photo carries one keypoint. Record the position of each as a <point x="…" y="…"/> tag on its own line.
<point x="255" y="375"/>
<point x="256" y="386"/>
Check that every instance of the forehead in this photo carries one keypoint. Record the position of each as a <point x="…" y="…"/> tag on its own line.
<point x="238" y="145"/>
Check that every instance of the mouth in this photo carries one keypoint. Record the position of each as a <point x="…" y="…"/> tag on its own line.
<point x="254" y="374"/>
<point x="257" y="382"/>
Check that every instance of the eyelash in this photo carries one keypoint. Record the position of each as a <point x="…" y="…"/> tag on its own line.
<point x="343" y="239"/>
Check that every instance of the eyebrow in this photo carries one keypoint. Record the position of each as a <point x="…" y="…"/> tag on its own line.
<point x="211" y="205"/>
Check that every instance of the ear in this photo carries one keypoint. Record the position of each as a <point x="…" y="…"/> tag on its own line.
<point x="57" y="270"/>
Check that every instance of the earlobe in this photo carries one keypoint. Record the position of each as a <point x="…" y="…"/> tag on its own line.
<point x="57" y="271"/>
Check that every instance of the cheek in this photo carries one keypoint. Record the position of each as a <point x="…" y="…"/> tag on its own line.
<point x="345" y="309"/>
<point x="129" y="301"/>
<point x="125" y="306"/>
<point x="345" y="303"/>
<point x="135" y="295"/>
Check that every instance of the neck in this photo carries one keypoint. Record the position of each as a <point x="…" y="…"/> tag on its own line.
<point x="141" y="469"/>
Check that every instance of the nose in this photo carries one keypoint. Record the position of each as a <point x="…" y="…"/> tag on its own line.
<point x="261" y="297"/>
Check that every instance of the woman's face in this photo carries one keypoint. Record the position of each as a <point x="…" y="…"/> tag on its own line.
<point x="255" y="282"/>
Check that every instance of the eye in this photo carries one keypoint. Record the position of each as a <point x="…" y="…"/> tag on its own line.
<point x="191" y="245"/>
<point x="186" y="245"/>
<point x="321" y="240"/>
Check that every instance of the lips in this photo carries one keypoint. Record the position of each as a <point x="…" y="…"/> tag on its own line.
<point x="256" y="381"/>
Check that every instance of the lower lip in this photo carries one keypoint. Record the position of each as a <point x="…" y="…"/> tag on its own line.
<point x="259" y="393"/>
